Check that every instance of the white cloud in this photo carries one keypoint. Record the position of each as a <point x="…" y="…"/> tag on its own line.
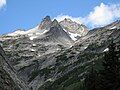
<point x="2" y="3"/>
<point x="100" y="16"/>
<point x="103" y="14"/>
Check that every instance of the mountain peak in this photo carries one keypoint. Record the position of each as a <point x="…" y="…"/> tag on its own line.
<point x="55" y="23"/>
<point x="74" y="27"/>
<point x="47" y="18"/>
<point x="46" y="23"/>
<point x="67" y="20"/>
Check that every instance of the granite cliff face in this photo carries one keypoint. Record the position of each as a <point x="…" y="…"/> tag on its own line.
<point x="54" y="55"/>
<point x="74" y="29"/>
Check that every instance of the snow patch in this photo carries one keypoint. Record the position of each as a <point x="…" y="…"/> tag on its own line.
<point x="34" y="45"/>
<point x="30" y="32"/>
<point x="33" y="30"/>
<point x="65" y="30"/>
<point x="19" y="32"/>
<point x="73" y="36"/>
<point x="39" y="55"/>
<point x="107" y="49"/>
<point x="50" y="79"/>
<point x="37" y="34"/>
<point x="32" y="37"/>
<point x="42" y="32"/>
<point x="32" y="50"/>
<point x="114" y="27"/>
<point x="85" y="47"/>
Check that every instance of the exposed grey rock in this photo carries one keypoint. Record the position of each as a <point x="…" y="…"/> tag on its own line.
<point x="53" y="56"/>
<point x="74" y="27"/>
<point x="8" y="78"/>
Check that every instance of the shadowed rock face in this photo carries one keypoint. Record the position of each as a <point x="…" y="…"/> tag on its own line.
<point x="6" y="82"/>
<point x="57" y="32"/>
<point x="8" y="77"/>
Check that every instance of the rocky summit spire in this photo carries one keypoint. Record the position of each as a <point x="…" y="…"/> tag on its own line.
<point x="55" y="23"/>
<point x="46" y="23"/>
<point x="67" y="20"/>
<point x="47" y="18"/>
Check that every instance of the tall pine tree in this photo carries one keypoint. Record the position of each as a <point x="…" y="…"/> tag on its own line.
<point x="91" y="80"/>
<point x="110" y="76"/>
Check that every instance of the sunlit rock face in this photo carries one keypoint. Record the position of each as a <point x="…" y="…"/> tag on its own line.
<point x="74" y="27"/>
<point x="46" y="23"/>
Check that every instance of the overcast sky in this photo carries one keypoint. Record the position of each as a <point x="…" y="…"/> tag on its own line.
<point x="25" y="14"/>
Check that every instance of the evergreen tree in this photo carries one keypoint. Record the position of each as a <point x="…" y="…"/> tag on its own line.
<point x="110" y="76"/>
<point x="91" y="80"/>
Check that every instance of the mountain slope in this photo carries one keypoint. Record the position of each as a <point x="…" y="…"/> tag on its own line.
<point x="8" y="78"/>
<point x="74" y="64"/>
<point x="51" y="60"/>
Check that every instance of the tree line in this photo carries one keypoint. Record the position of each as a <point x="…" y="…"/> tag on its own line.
<point x="109" y="77"/>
